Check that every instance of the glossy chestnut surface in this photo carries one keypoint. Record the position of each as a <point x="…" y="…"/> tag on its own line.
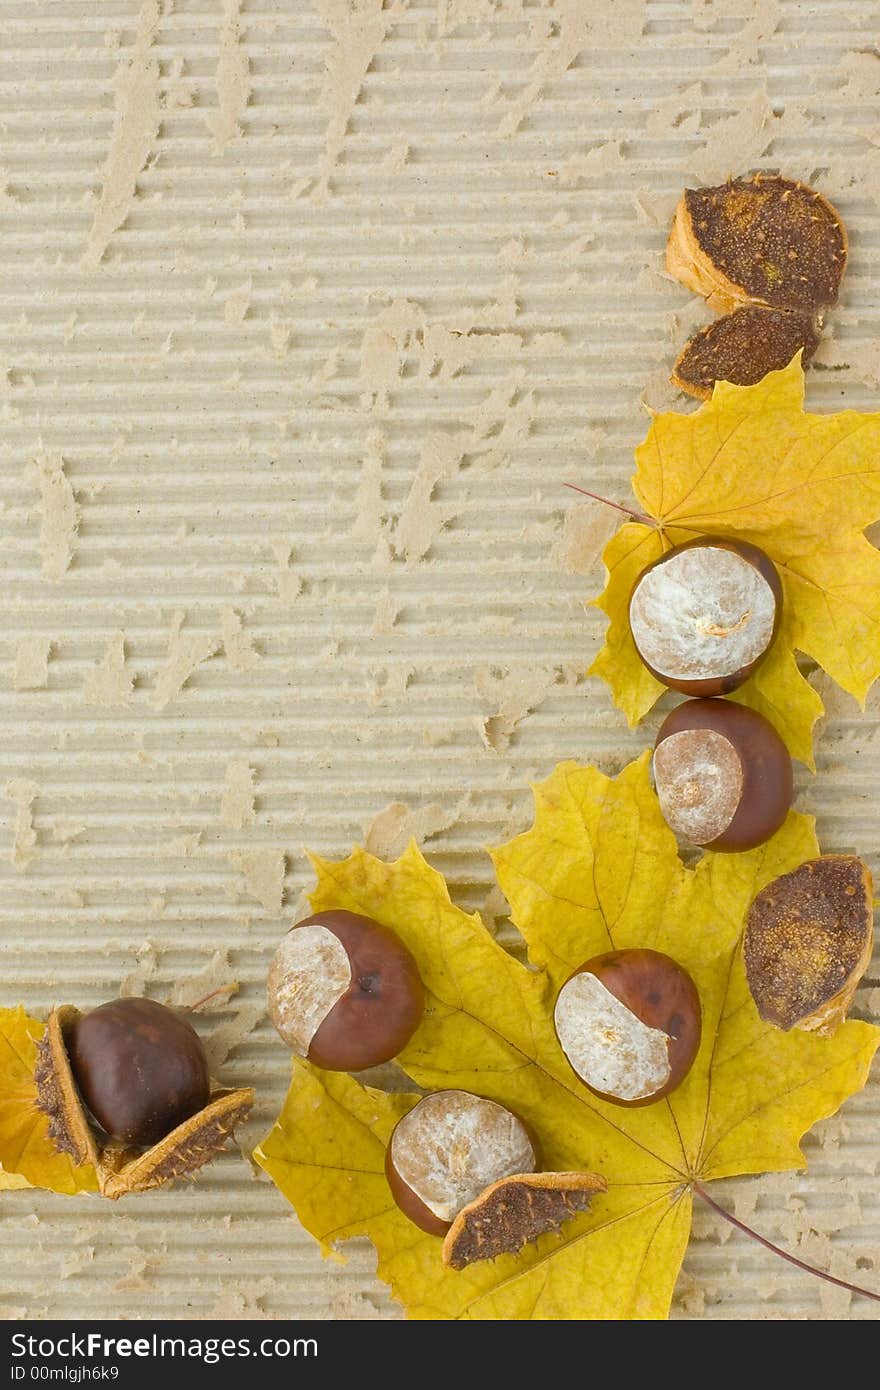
<point x="704" y="615"/>
<point x="629" y="1023"/>
<point x="140" y="1068"/>
<point x="723" y="775"/>
<point x="344" y="991"/>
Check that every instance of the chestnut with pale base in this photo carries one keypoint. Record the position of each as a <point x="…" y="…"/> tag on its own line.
<point x="448" y="1149"/>
<point x="344" y="991"/>
<point x="704" y="615"/>
<point x="723" y="775"/>
<point x="629" y="1023"/>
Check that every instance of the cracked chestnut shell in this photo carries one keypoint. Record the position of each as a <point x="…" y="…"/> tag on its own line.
<point x="140" y="1068"/>
<point x="629" y="1023"/>
<point x="723" y="775"/>
<point x="705" y="614"/>
<point x="344" y="991"/>
<point x="448" y="1149"/>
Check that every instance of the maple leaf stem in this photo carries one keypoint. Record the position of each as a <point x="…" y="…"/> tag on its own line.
<point x="618" y="506"/>
<point x="221" y="989"/>
<point x="777" y="1249"/>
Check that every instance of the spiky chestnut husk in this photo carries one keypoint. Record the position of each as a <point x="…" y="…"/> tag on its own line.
<point x="516" y="1211"/>
<point x="761" y="240"/>
<point x="121" y="1169"/>
<point x="808" y="941"/>
<point x="742" y="348"/>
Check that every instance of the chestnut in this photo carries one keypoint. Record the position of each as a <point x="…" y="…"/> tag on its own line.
<point x="723" y="775"/>
<point x="704" y="615"/>
<point x="140" y="1068"/>
<point x="448" y="1149"/>
<point x="629" y="1023"/>
<point x="344" y="991"/>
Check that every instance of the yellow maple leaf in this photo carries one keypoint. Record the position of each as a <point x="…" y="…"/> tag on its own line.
<point x="12" y="1182"/>
<point x="27" y="1155"/>
<point x="598" y="868"/>
<point x="752" y="465"/>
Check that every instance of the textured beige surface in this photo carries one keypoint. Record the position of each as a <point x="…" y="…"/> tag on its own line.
<point x="307" y="312"/>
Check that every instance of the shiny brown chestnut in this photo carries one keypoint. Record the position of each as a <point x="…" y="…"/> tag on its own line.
<point x="448" y="1149"/>
<point x="344" y="991"/>
<point x="705" y="614"/>
<point x="629" y="1023"/>
<point x="723" y="775"/>
<point x="140" y="1068"/>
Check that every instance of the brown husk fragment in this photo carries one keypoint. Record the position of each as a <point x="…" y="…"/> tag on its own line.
<point x="57" y="1095"/>
<point x="743" y="347"/>
<point x="808" y="941"/>
<point x="515" y="1211"/>
<point x="764" y="243"/>
<point x="763" y="240"/>
<point x="120" y="1170"/>
<point x="181" y="1153"/>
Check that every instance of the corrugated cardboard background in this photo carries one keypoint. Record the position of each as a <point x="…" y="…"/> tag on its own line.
<point x="307" y="312"/>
